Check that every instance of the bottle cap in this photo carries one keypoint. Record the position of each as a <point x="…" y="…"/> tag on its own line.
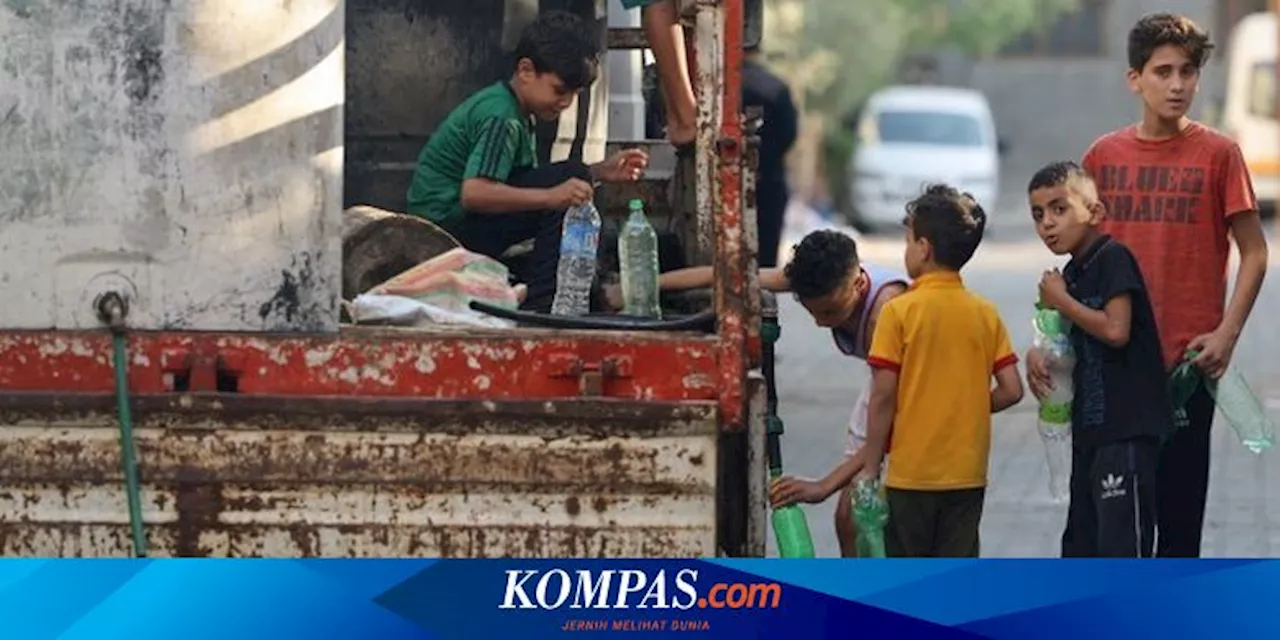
<point x="636" y="204"/>
<point x="1049" y="322"/>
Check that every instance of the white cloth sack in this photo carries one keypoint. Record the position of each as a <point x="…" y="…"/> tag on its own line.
<point x="403" y="311"/>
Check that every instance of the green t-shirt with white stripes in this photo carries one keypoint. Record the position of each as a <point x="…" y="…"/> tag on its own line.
<point x="487" y="136"/>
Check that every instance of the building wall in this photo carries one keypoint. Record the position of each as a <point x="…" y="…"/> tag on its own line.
<point x="185" y="154"/>
<point x="1050" y="109"/>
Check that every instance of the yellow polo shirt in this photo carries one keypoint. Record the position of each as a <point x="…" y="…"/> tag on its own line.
<point x="945" y="343"/>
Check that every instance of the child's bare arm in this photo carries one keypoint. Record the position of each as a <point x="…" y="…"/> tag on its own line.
<point x="1109" y="324"/>
<point x="880" y="412"/>
<point x="1217" y="346"/>
<point x="1008" y="390"/>
<point x="844" y="472"/>
<point x="688" y="278"/>
<point x="790" y="490"/>
<point x="482" y="195"/>
<point x="771" y="279"/>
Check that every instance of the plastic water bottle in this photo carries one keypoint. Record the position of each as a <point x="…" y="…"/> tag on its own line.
<point x="1054" y="420"/>
<point x="1240" y="406"/>
<point x="579" y="242"/>
<point x="871" y="514"/>
<point x="791" y="530"/>
<point x="1183" y="382"/>
<point x="638" y="252"/>
<point x="1235" y="399"/>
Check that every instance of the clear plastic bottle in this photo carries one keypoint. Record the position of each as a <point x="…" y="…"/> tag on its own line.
<point x="638" y="253"/>
<point x="1240" y="406"/>
<point x="871" y="514"/>
<point x="1054" y="420"/>
<point x="579" y="242"/>
<point x="1234" y="398"/>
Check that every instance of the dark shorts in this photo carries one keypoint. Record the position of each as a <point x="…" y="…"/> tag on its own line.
<point x="933" y="524"/>
<point x="1113" y="501"/>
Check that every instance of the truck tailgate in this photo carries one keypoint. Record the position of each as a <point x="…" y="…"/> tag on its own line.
<point x="229" y="475"/>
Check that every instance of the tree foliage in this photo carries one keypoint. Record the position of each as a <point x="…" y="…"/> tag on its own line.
<point x="835" y="52"/>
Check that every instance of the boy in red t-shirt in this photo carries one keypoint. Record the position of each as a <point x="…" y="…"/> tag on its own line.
<point x="1176" y="192"/>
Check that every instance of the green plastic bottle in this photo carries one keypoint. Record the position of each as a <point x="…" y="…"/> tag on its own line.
<point x="791" y="529"/>
<point x="871" y="514"/>
<point x="1183" y="383"/>
<point x="1052" y="340"/>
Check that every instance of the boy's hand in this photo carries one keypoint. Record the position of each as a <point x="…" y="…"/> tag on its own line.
<point x="1053" y="289"/>
<point x="624" y="166"/>
<point x="1215" y="352"/>
<point x="1038" y="374"/>
<point x="789" y="490"/>
<point x="569" y="193"/>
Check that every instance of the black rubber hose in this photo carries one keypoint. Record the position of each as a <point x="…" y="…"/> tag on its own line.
<point x="705" y="321"/>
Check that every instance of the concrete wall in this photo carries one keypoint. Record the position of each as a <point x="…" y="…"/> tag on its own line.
<point x="186" y="152"/>
<point x="1052" y="108"/>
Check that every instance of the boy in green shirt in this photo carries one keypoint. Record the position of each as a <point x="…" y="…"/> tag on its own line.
<point x="478" y="176"/>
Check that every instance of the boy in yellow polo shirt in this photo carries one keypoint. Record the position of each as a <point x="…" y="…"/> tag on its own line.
<point x="936" y="348"/>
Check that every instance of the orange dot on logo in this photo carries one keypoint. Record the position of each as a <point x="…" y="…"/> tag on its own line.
<point x="702" y="603"/>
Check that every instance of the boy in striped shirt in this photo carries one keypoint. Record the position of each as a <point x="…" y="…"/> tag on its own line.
<point x="479" y="178"/>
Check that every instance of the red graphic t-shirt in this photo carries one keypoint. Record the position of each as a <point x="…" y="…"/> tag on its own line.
<point x="1169" y="201"/>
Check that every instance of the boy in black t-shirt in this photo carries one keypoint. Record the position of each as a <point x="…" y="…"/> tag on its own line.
<point x="1121" y="408"/>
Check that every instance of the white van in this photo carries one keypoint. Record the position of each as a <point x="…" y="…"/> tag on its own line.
<point x="1249" y="111"/>
<point x="910" y="136"/>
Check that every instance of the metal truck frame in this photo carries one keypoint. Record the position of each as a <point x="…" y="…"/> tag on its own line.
<point x="392" y="442"/>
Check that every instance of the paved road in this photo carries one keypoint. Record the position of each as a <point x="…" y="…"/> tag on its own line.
<point x="817" y="387"/>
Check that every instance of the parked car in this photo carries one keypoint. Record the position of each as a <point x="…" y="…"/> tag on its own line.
<point x="910" y="136"/>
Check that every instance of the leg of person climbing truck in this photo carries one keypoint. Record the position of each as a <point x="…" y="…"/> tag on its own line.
<point x="661" y="22"/>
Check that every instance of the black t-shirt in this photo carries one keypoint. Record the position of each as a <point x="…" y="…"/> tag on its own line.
<point x="1119" y="393"/>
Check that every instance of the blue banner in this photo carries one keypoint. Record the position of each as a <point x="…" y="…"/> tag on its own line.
<point x="462" y="599"/>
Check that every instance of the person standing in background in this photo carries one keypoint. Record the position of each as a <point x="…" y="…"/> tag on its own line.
<point x="762" y="88"/>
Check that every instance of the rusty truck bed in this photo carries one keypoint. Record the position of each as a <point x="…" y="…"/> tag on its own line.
<point x="371" y="442"/>
<point x="269" y="476"/>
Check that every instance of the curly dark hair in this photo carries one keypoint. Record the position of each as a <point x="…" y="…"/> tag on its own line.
<point x="952" y="222"/>
<point x="562" y="43"/>
<point x="822" y="263"/>
<point x="1155" y="30"/>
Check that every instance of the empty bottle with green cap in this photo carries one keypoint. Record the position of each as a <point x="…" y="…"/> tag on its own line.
<point x="871" y="514"/>
<point x="1235" y="399"/>
<point x="1242" y="409"/>
<point x="638" y="253"/>
<point x="1052" y="340"/>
